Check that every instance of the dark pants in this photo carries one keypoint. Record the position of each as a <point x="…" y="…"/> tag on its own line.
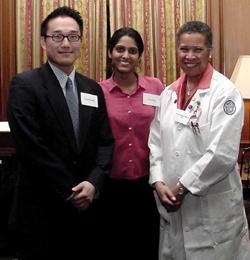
<point x="69" y="238"/>
<point x="131" y="220"/>
<point x="7" y="182"/>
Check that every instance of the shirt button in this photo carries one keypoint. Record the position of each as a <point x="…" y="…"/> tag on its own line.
<point x="128" y="96"/>
<point x="129" y="112"/>
<point x="130" y="161"/>
<point x="130" y="145"/>
<point x="130" y="128"/>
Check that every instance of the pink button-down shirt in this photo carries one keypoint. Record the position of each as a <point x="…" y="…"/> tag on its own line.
<point x="130" y="121"/>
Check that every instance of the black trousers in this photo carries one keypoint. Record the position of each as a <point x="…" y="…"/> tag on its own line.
<point x="7" y="183"/>
<point x="67" y="238"/>
<point x="131" y="220"/>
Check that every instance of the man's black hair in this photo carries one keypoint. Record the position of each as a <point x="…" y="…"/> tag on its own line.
<point x="62" y="11"/>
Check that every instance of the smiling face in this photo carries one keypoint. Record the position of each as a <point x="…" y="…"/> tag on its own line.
<point x="62" y="54"/>
<point x="193" y="54"/>
<point x="125" y="55"/>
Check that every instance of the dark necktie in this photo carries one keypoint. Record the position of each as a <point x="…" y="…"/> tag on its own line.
<point x="72" y="102"/>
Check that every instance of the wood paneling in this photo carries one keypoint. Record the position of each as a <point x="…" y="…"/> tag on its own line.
<point x="214" y="20"/>
<point x="236" y="20"/>
<point x="7" y="50"/>
<point x="245" y="137"/>
<point x="229" y="20"/>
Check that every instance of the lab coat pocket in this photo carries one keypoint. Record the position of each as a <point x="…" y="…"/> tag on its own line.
<point x="224" y="215"/>
<point x="199" y="140"/>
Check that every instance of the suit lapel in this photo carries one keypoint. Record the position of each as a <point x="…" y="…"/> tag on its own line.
<point x="58" y="103"/>
<point x="84" y="111"/>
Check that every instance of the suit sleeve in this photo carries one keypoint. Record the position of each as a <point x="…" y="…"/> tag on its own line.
<point x="37" y="158"/>
<point x="104" y="145"/>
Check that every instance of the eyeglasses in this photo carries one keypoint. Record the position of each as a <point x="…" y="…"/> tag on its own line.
<point x="60" y="37"/>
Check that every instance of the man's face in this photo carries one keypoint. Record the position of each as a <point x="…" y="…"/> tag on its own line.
<point x="62" y="54"/>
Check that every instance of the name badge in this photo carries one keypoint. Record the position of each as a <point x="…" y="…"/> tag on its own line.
<point x="182" y="116"/>
<point x="151" y="99"/>
<point x="89" y="100"/>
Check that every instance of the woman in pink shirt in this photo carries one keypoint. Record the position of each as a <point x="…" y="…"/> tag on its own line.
<point x="131" y="216"/>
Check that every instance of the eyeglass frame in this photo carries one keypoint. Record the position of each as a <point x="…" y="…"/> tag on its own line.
<point x="79" y="37"/>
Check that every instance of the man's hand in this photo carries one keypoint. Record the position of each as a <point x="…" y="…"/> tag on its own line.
<point x="83" y="195"/>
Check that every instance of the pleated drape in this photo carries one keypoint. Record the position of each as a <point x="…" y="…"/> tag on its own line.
<point x="156" y="20"/>
<point x="30" y="14"/>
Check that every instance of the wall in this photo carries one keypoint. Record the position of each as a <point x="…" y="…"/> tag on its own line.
<point x="229" y="20"/>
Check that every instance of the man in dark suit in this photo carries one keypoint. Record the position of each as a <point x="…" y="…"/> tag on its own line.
<point x="62" y="171"/>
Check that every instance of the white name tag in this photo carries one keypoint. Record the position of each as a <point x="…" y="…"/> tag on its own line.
<point x="151" y="99"/>
<point x="89" y="100"/>
<point x="182" y="116"/>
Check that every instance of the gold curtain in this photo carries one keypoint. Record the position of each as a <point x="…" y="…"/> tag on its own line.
<point x="156" y="20"/>
<point x="30" y="14"/>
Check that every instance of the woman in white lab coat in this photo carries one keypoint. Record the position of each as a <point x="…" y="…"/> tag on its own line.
<point x="194" y="143"/>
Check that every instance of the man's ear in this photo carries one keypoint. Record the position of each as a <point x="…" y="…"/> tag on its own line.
<point x="42" y="42"/>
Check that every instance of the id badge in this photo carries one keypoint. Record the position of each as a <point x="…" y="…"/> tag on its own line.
<point x="182" y="116"/>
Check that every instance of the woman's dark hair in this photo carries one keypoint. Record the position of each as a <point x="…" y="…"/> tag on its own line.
<point x="196" y="27"/>
<point x="62" y="11"/>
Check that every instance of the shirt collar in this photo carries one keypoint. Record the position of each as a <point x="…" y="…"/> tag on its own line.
<point x="113" y="85"/>
<point x="61" y="76"/>
<point x="204" y="83"/>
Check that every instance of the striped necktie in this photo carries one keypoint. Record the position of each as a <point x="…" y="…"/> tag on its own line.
<point x="72" y="102"/>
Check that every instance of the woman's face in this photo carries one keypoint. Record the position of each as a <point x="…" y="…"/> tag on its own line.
<point x="193" y="54"/>
<point x="125" y="55"/>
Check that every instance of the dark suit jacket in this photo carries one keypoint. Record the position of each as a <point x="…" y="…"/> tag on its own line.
<point x="50" y="163"/>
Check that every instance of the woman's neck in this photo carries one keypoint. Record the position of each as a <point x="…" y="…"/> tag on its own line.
<point x="127" y="82"/>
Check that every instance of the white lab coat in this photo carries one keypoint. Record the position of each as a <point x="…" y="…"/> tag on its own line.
<point x="211" y="223"/>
